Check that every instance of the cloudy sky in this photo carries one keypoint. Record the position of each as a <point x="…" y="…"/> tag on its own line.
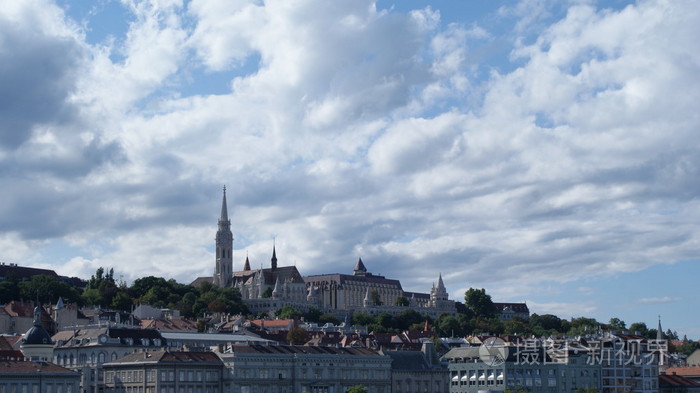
<point x="545" y="150"/>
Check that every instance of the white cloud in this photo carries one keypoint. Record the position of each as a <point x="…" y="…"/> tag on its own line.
<point x="563" y="310"/>
<point x="365" y="132"/>
<point x="656" y="300"/>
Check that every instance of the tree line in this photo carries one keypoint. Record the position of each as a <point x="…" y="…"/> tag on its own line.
<point x="102" y="290"/>
<point x="477" y="315"/>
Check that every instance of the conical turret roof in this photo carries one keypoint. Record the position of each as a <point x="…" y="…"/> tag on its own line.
<point x="359" y="267"/>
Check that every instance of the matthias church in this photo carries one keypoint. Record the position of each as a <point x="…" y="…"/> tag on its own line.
<point x="269" y="289"/>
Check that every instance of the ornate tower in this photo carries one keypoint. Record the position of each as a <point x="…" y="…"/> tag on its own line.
<point x="273" y="261"/>
<point x="224" y="249"/>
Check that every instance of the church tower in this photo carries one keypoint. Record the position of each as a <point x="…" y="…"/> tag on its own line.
<point x="224" y="249"/>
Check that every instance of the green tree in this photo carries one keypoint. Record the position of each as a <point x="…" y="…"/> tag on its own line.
<point x="581" y="326"/>
<point x="617" y="324"/>
<point x="267" y="293"/>
<point x="297" y="336"/>
<point x="447" y="326"/>
<point x="376" y="299"/>
<point x="639" y="328"/>
<point x="406" y="318"/>
<point x="517" y="326"/>
<point x="121" y="301"/>
<point x="479" y="302"/>
<point x="357" y="389"/>
<point x="288" y="312"/>
<point x="144" y="285"/>
<point x="9" y="290"/>
<point x="313" y="315"/>
<point x="329" y="318"/>
<point x="465" y="324"/>
<point x="362" y="319"/>
<point x="670" y="335"/>
<point x="402" y="301"/>
<point x="47" y="289"/>
<point x="105" y="287"/>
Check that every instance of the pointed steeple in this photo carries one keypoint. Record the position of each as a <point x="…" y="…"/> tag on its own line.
<point x="224" y="210"/>
<point x="659" y="332"/>
<point x="273" y="261"/>
<point x="367" y="301"/>
<point x="246" y="266"/>
<point x="440" y="284"/>
<point x="223" y="273"/>
<point x="360" y="269"/>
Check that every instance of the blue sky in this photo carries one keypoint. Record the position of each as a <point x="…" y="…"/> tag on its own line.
<point x="544" y="150"/>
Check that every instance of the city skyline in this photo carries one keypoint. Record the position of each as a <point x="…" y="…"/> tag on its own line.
<point x="543" y="150"/>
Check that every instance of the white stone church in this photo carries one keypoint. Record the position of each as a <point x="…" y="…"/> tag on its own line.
<point x="266" y="290"/>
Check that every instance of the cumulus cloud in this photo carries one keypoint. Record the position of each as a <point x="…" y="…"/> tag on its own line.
<point x="38" y="73"/>
<point x="346" y="130"/>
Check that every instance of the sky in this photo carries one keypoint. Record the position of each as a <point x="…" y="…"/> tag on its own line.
<point x="544" y="150"/>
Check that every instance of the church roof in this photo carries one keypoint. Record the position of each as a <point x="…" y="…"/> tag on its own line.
<point x="200" y="280"/>
<point x="270" y="276"/>
<point x="343" y="278"/>
<point x="359" y="266"/>
<point x="247" y="264"/>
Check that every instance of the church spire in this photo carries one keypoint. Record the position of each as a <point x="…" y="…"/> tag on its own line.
<point x="224" y="210"/>
<point x="273" y="261"/>
<point x="246" y="267"/>
<point x="223" y="273"/>
<point x="440" y="284"/>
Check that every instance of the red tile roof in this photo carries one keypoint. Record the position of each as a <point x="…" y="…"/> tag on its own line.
<point x="169" y="325"/>
<point x="676" y="380"/>
<point x="685" y="371"/>
<point x="274" y="323"/>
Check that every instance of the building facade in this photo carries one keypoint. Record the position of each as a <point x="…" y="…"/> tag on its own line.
<point x="37" y="377"/>
<point x="528" y="365"/>
<point x="163" y="371"/>
<point x="85" y="350"/>
<point x="34" y="374"/>
<point x="418" y="371"/>
<point x="291" y="369"/>
<point x="630" y="363"/>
